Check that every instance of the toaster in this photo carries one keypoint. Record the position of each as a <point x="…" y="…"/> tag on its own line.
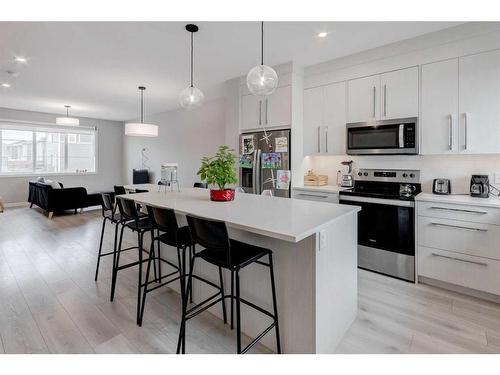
<point x="441" y="186"/>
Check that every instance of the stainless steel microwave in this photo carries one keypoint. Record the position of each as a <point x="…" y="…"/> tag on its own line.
<point x="389" y="137"/>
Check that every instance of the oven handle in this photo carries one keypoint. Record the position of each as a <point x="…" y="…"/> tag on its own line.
<point x="390" y="202"/>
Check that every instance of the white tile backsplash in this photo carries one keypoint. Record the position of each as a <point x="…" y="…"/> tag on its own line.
<point x="458" y="168"/>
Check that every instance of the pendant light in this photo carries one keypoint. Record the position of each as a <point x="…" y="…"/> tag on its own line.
<point x="67" y="121"/>
<point x="191" y="97"/>
<point x="140" y="129"/>
<point x="262" y="80"/>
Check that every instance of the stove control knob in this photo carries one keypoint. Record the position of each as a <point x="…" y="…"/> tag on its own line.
<point x="405" y="175"/>
<point x="366" y="173"/>
<point x="412" y="175"/>
<point x="360" y="174"/>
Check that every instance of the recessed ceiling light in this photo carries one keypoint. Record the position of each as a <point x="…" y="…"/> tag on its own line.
<point x="20" y="59"/>
<point x="322" y="34"/>
<point x="6" y="85"/>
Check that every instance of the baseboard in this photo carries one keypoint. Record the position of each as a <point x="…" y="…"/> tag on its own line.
<point x="460" y="289"/>
<point x="16" y="204"/>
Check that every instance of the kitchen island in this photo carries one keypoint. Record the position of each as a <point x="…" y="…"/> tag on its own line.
<point x="315" y="262"/>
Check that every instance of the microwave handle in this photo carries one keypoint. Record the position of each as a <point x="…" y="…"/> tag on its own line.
<point x="401" y="135"/>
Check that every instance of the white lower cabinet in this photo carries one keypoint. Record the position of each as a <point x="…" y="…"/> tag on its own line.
<point x="468" y="271"/>
<point x="459" y="244"/>
<point x="459" y="236"/>
<point x="315" y="196"/>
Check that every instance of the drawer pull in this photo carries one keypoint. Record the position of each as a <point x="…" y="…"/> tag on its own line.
<point x="459" y="210"/>
<point x="460" y="260"/>
<point x="459" y="227"/>
<point x="313" y="195"/>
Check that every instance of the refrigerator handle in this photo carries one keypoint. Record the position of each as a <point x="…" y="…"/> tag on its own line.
<point x="258" y="182"/>
<point x="254" y="172"/>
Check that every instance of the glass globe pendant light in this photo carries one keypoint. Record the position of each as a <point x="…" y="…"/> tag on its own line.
<point x="191" y="97"/>
<point x="140" y="129"/>
<point x="262" y="80"/>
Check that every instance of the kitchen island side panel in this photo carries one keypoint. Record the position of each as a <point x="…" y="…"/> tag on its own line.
<point x="336" y="283"/>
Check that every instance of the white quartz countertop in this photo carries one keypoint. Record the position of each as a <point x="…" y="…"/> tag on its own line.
<point x="492" y="201"/>
<point x="282" y="218"/>
<point x="321" y="189"/>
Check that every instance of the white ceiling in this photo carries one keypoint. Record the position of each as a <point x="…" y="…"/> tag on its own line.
<point x="97" y="66"/>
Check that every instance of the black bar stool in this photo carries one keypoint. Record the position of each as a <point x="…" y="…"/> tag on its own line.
<point x="164" y="222"/>
<point x="233" y="255"/>
<point x="108" y="213"/>
<point x="131" y="219"/>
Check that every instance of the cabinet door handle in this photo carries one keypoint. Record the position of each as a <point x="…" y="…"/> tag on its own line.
<point x="267" y="105"/>
<point x="466" y="143"/>
<point x="459" y="227"/>
<point x="385" y="100"/>
<point x="312" y="195"/>
<point x="374" y="99"/>
<point x="326" y="139"/>
<point x="460" y="259"/>
<point x="260" y="112"/>
<point x="450" y="131"/>
<point x="459" y="210"/>
<point x="318" y="140"/>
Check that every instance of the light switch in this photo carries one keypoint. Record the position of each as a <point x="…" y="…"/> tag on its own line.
<point x="322" y="240"/>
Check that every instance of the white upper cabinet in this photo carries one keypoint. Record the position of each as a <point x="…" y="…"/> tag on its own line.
<point x="383" y="96"/>
<point x="277" y="110"/>
<point x="325" y="119"/>
<point x="439" y="112"/>
<point x="363" y="99"/>
<point x="313" y="119"/>
<point x="335" y="118"/>
<point x="273" y="111"/>
<point x="399" y="94"/>
<point x="479" y="107"/>
<point x="251" y="116"/>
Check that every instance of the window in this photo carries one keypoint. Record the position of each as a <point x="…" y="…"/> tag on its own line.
<point x="27" y="149"/>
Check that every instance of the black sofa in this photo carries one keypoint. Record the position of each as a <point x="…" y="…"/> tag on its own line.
<point x="56" y="200"/>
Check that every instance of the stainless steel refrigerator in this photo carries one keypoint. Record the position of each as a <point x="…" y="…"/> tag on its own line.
<point x="265" y="162"/>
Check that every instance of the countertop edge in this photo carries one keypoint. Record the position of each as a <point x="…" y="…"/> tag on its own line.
<point x="290" y="238"/>
<point x="459" y="199"/>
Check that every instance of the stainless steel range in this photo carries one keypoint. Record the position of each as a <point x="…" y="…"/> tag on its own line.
<point x="386" y="223"/>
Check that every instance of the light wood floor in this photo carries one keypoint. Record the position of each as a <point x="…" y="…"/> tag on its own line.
<point x="49" y="303"/>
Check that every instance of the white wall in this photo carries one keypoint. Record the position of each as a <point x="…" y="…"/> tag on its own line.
<point x="184" y="137"/>
<point x="110" y="151"/>
<point x="458" y="168"/>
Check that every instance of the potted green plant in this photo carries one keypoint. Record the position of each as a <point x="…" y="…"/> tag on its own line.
<point x="219" y="170"/>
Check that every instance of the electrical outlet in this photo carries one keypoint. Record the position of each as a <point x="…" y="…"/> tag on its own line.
<point x="497" y="178"/>
<point x="322" y="239"/>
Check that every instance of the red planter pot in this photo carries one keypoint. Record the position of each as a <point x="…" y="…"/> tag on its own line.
<point x="221" y="195"/>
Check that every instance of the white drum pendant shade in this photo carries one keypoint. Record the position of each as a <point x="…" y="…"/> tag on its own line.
<point x="137" y="129"/>
<point x="67" y="121"/>
<point x="140" y="129"/>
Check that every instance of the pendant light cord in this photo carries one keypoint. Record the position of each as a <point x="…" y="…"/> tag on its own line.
<point x="142" y="106"/>
<point x="192" y="57"/>
<point x="262" y="43"/>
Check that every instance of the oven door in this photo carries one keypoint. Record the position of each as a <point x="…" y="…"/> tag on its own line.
<point x="386" y="235"/>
